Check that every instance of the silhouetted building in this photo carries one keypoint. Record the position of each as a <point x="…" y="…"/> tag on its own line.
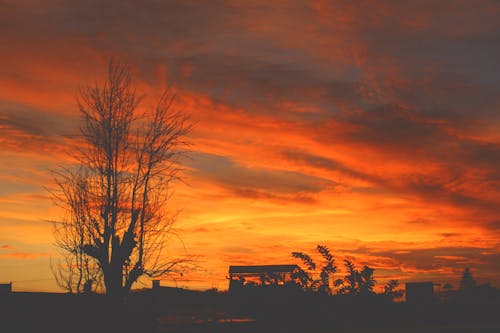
<point x="156" y="284"/>
<point x="260" y="275"/>
<point x="5" y="288"/>
<point x="420" y="292"/>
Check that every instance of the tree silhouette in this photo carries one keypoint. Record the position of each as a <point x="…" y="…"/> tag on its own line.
<point x="351" y="279"/>
<point x="75" y="271"/>
<point x="356" y="282"/>
<point x="366" y="281"/>
<point x="115" y="199"/>
<point x="391" y="289"/>
<point x="309" y="279"/>
<point x="467" y="281"/>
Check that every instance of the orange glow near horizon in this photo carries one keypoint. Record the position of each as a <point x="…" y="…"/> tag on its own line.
<point x="353" y="133"/>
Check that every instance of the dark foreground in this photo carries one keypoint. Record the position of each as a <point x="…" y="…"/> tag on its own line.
<point x="171" y="310"/>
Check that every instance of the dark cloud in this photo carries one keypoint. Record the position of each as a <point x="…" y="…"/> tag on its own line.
<point x="482" y="154"/>
<point x="35" y="122"/>
<point x="421" y="221"/>
<point x="320" y="162"/>
<point x="407" y="134"/>
<point x="33" y="130"/>
<point x="391" y="127"/>
<point x="266" y="195"/>
<point x="228" y="58"/>
<point x="494" y="225"/>
<point x="436" y="258"/>
<point x="442" y="58"/>
<point x="396" y="133"/>
<point x="466" y="171"/>
<point x="238" y="249"/>
<point x="256" y="182"/>
<point x="235" y="57"/>
<point x="433" y="189"/>
<point x="450" y="234"/>
<point x="244" y="81"/>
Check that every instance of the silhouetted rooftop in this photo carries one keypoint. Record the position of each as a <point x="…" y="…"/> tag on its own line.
<point x="263" y="269"/>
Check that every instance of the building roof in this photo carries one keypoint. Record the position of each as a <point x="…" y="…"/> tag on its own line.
<point x="262" y="269"/>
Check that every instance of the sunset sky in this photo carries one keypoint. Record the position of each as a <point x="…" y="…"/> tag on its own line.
<point x="372" y="127"/>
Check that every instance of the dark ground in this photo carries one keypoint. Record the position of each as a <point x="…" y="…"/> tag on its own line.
<point x="173" y="310"/>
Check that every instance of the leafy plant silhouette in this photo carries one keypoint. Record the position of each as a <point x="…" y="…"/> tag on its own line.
<point x="391" y="289"/>
<point x="309" y="278"/>
<point x="356" y="282"/>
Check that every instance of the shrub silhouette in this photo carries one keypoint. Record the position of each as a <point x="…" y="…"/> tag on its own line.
<point x="309" y="279"/>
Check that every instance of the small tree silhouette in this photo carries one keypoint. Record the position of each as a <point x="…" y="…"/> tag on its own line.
<point x="391" y="289"/>
<point x="356" y="282"/>
<point x="467" y="282"/>
<point x="309" y="279"/>
<point x="366" y="281"/>
<point x="351" y="280"/>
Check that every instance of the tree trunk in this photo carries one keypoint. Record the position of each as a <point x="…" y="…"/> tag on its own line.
<point x="113" y="282"/>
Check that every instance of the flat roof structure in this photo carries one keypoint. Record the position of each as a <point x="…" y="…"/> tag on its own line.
<point x="260" y="275"/>
<point x="5" y="288"/>
<point x="262" y="269"/>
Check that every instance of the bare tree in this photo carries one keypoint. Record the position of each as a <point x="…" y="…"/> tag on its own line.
<point x="75" y="271"/>
<point x="116" y="197"/>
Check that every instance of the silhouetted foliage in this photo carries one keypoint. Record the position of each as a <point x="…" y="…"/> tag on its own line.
<point x="115" y="201"/>
<point x="467" y="281"/>
<point x="391" y="289"/>
<point x="366" y="281"/>
<point x="306" y="260"/>
<point x="356" y="282"/>
<point x="351" y="280"/>
<point x="311" y="280"/>
<point x="328" y="269"/>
